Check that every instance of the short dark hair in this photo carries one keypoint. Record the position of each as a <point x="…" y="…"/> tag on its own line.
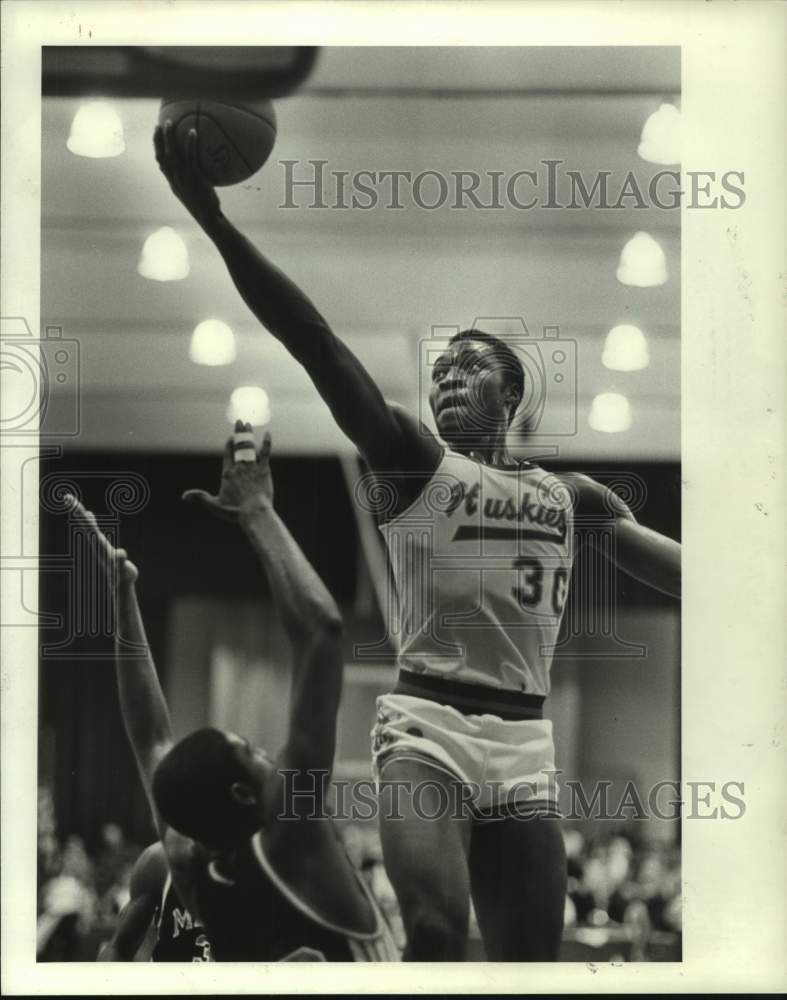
<point x="513" y="366"/>
<point x="191" y="788"/>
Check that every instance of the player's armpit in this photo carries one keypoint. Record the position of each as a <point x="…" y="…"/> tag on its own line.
<point x="421" y="451"/>
<point x="407" y="474"/>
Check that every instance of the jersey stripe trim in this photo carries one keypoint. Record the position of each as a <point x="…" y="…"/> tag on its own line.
<point x="163" y="903"/>
<point x="471" y="699"/>
<point x="489" y="533"/>
<point x="216" y="875"/>
<point x="420" y="756"/>
<point x="292" y="897"/>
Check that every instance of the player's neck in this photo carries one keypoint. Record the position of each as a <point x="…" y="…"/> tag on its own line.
<point x="227" y="854"/>
<point x="492" y="451"/>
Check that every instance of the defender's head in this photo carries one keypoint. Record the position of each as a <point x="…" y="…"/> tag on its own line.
<point x="210" y="787"/>
<point x="477" y="385"/>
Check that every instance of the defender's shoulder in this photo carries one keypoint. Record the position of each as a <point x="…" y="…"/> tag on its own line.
<point x="150" y="871"/>
<point x="182" y="854"/>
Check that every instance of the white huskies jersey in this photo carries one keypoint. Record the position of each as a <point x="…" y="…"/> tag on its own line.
<point x="481" y="562"/>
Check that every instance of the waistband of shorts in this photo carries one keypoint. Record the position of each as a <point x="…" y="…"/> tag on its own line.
<point x="471" y="699"/>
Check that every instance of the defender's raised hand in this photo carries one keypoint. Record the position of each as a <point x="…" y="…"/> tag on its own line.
<point x="115" y="562"/>
<point x="246" y="482"/>
<point x="188" y="183"/>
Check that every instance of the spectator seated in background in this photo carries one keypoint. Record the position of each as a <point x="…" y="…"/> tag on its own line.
<point x="67" y="907"/>
<point x="615" y="883"/>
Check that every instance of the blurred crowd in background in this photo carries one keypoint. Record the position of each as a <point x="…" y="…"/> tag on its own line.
<point x="80" y="892"/>
<point x="623" y="900"/>
<point x="623" y="896"/>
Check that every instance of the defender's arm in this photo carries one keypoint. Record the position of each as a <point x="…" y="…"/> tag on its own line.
<point x="314" y="628"/>
<point x="142" y="703"/>
<point x="309" y="614"/>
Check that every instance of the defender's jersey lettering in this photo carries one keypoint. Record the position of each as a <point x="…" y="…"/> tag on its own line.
<point x="181" y="921"/>
<point x="180" y="937"/>
<point x="201" y="942"/>
<point x="481" y="562"/>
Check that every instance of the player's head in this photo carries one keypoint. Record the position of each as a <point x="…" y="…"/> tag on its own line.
<point x="210" y="786"/>
<point x="477" y="385"/>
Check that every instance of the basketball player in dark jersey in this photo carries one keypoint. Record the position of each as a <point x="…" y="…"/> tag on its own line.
<point x="467" y="710"/>
<point x="252" y="851"/>
<point x="155" y="925"/>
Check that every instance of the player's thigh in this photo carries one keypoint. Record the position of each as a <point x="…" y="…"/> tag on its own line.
<point x="518" y="875"/>
<point x="425" y="839"/>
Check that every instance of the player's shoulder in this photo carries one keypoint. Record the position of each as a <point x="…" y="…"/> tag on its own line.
<point x="187" y="863"/>
<point x="590" y="497"/>
<point x="150" y="870"/>
<point x="582" y="485"/>
<point x="183" y="856"/>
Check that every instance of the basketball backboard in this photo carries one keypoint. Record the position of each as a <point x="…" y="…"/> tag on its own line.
<point x="236" y="71"/>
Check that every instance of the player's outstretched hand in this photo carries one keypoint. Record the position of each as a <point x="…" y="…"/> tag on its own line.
<point x="246" y="481"/>
<point x="114" y="563"/>
<point x="185" y="177"/>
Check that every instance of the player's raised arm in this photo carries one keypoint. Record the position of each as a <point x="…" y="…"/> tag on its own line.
<point x="309" y="614"/>
<point x="353" y="397"/>
<point x="142" y="703"/>
<point x="647" y="555"/>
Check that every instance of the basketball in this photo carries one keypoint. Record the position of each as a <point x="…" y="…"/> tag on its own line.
<point x="234" y="140"/>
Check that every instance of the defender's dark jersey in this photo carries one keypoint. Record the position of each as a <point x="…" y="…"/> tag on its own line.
<point x="256" y="916"/>
<point x="180" y="938"/>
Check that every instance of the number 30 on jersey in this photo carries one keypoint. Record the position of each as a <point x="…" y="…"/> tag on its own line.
<point x="534" y="584"/>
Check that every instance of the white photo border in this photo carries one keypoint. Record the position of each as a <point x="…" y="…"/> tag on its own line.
<point x="733" y="381"/>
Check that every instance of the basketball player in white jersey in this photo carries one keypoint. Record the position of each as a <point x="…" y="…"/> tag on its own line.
<point x="266" y="880"/>
<point x="481" y="549"/>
